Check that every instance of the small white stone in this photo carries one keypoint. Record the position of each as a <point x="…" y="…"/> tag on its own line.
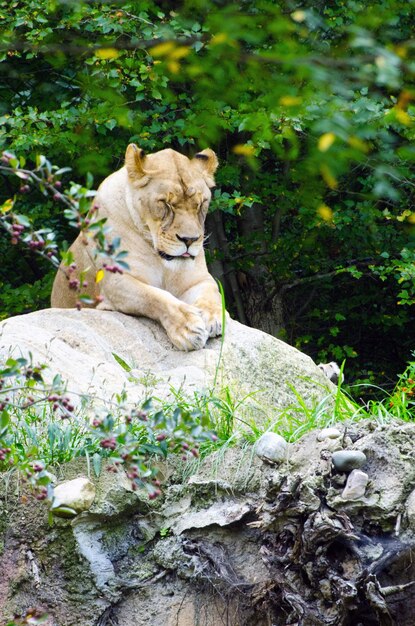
<point x="356" y="485"/>
<point x="328" y="433"/>
<point x="271" y="448"/>
<point x="77" y="494"/>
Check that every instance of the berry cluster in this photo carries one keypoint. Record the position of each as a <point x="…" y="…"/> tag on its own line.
<point x="186" y="448"/>
<point x="34" y="241"/>
<point x="114" y="269"/>
<point x="84" y="222"/>
<point x="16" y="233"/>
<point x="109" y="443"/>
<point x="61" y="401"/>
<point x="3" y="453"/>
<point x="42" y="493"/>
<point x="4" y="403"/>
<point x="36" y="244"/>
<point x="34" y="372"/>
<point x="153" y="494"/>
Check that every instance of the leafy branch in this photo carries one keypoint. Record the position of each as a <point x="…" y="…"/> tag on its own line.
<point x="78" y="212"/>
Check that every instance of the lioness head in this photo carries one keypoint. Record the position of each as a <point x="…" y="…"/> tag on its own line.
<point x="169" y="196"/>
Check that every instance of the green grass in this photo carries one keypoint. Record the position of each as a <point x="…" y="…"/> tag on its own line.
<point x="40" y="434"/>
<point x="300" y="417"/>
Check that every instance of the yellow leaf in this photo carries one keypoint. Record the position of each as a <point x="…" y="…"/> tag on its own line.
<point x="404" y="99"/>
<point x="7" y="206"/>
<point x="406" y="214"/>
<point x="328" y="177"/>
<point x="243" y="149"/>
<point x="298" y="16"/>
<point x="179" y="52"/>
<point x="162" y="49"/>
<point x="325" y="212"/>
<point x="219" y="38"/>
<point x="411" y="218"/>
<point x="106" y="53"/>
<point x="99" y="276"/>
<point x="401" y="51"/>
<point x="403" y="117"/>
<point x="326" y="141"/>
<point x="173" y="67"/>
<point x="290" y="101"/>
<point x="359" y="144"/>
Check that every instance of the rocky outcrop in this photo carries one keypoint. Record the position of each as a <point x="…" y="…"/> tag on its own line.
<point x="102" y="353"/>
<point x="233" y="540"/>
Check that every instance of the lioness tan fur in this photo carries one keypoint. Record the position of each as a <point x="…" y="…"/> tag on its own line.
<point x="157" y="205"/>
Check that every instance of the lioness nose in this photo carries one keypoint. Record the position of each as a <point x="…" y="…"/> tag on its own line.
<point x="187" y="240"/>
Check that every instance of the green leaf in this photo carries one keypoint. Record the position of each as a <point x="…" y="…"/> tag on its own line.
<point x="4" y="421"/>
<point x="97" y="464"/>
<point x="85" y="299"/>
<point x="63" y="511"/>
<point x="121" y="362"/>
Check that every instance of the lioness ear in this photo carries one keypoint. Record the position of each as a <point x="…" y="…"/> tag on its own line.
<point x="207" y="161"/>
<point x="134" y="162"/>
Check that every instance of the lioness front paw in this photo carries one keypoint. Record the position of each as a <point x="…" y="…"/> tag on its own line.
<point x="188" y="330"/>
<point x="212" y="316"/>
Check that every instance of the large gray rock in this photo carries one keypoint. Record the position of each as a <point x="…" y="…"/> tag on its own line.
<point x="80" y="345"/>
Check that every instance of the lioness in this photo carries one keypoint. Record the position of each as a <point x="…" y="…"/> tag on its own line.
<point x="157" y="205"/>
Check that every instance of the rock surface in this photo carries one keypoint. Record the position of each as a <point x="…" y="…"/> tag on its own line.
<point x="83" y="346"/>
<point x="231" y="536"/>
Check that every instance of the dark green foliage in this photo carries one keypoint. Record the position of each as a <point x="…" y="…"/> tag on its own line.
<point x="310" y="109"/>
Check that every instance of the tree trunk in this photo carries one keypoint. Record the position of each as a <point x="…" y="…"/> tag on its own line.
<point x="246" y="292"/>
<point x="262" y="314"/>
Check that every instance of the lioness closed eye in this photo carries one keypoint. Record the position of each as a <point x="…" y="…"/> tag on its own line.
<point x="157" y="205"/>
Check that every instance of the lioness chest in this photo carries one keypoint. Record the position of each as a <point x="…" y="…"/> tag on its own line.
<point x="172" y="276"/>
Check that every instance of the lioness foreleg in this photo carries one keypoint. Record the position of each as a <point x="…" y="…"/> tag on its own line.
<point x="206" y="297"/>
<point x="183" y="323"/>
